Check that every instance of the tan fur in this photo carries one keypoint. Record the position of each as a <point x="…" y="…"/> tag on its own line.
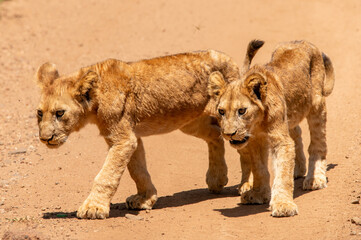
<point x="129" y="101"/>
<point x="259" y="114"/>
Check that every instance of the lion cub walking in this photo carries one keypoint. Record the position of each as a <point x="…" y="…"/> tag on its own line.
<point x="129" y="101"/>
<point x="261" y="112"/>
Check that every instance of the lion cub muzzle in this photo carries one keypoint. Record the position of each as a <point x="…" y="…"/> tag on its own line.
<point x="51" y="139"/>
<point x="236" y="140"/>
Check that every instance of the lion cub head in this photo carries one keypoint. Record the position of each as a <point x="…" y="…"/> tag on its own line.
<point x="240" y="106"/>
<point x="64" y="102"/>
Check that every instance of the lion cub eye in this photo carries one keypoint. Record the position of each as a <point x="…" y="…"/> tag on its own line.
<point x="221" y="112"/>
<point x="242" y="111"/>
<point x="40" y="113"/>
<point x="59" y="113"/>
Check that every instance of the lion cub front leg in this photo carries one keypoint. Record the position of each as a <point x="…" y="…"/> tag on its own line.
<point x="147" y="194"/>
<point x="97" y="205"/>
<point x="283" y="153"/>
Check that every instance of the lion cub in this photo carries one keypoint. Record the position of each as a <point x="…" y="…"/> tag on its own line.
<point x="130" y="100"/>
<point x="261" y="112"/>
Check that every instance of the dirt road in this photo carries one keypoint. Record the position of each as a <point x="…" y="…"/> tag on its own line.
<point x="40" y="188"/>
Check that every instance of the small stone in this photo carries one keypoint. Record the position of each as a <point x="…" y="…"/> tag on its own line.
<point x="43" y="209"/>
<point x="4" y="184"/>
<point x="32" y="148"/>
<point x="356" y="220"/>
<point x="56" y="183"/>
<point x="7" y="161"/>
<point x="356" y="201"/>
<point x="147" y="211"/>
<point x="133" y="217"/>
<point x="353" y="232"/>
<point x="57" y="208"/>
<point x="18" y="151"/>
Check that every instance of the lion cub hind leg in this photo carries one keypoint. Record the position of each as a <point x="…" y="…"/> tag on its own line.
<point x="207" y="128"/>
<point x="256" y="153"/>
<point x="300" y="163"/>
<point x="147" y="194"/>
<point x="316" y="175"/>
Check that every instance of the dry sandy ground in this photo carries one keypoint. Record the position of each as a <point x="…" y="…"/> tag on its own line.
<point x="40" y="188"/>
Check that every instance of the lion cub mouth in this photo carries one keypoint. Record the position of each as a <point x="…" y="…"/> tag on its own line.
<point x="238" y="142"/>
<point x="54" y="142"/>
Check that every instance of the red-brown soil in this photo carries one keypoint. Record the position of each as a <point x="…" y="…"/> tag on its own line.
<point x="40" y="188"/>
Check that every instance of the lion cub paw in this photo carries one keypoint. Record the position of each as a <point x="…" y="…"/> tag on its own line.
<point x="314" y="183"/>
<point x="93" y="210"/>
<point x="284" y="209"/>
<point x="255" y="197"/>
<point x="138" y="201"/>
<point x="216" y="181"/>
<point x="245" y="187"/>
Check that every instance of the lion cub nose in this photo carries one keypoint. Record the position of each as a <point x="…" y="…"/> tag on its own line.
<point x="46" y="138"/>
<point x="228" y="135"/>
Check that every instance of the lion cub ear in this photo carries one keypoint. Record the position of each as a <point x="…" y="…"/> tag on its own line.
<point x="46" y="74"/>
<point x="216" y="85"/>
<point x="256" y="86"/>
<point x="85" y="84"/>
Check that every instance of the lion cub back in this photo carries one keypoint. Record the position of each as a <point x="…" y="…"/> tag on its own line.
<point x="172" y="90"/>
<point x="302" y="70"/>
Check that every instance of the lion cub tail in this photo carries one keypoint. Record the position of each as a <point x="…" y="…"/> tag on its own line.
<point x="330" y="76"/>
<point x="252" y="49"/>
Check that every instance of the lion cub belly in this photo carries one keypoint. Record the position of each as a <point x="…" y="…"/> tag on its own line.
<point x="164" y="124"/>
<point x="297" y="112"/>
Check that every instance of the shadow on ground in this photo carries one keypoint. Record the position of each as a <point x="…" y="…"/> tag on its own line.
<point x="191" y="197"/>
<point x="194" y="196"/>
<point x="116" y="210"/>
<point x="246" y="210"/>
<point x="52" y="215"/>
<point x="176" y="200"/>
